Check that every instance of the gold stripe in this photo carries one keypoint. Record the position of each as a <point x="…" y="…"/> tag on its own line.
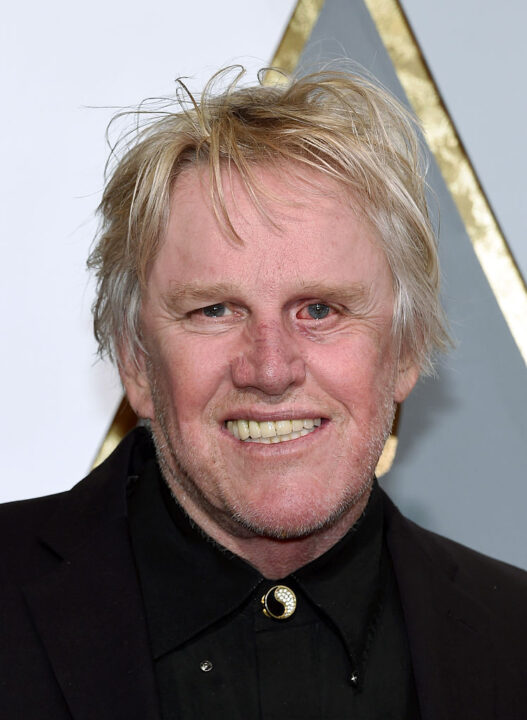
<point x="390" y="448"/>
<point x="387" y="456"/>
<point x="286" y="57"/>
<point x="482" y="227"/>
<point x="296" y="35"/>
<point x="124" y="420"/>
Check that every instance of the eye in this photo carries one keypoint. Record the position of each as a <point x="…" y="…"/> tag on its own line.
<point x="318" y="311"/>
<point x="315" y="311"/>
<point x="217" y="310"/>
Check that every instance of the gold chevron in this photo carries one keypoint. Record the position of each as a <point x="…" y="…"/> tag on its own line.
<point x="482" y="227"/>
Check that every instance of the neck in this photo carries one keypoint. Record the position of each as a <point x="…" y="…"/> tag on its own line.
<point x="272" y="557"/>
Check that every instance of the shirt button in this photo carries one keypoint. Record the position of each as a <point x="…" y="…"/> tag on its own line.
<point x="205" y="665"/>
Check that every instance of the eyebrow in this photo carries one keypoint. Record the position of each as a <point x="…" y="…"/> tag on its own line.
<point x="353" y="294"/>
<point x="200" y="293"/>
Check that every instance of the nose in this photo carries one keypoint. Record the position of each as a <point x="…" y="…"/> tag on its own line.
<point x="270" y="360"/>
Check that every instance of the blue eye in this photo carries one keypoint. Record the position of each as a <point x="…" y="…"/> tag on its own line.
<point x="214" y="311"/>
<point x="318" y="311"/>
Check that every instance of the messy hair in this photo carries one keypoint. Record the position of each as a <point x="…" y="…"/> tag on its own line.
<point x="340" y="124"/>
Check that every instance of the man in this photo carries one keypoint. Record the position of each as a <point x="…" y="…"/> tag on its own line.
<point x="268" y="285"/>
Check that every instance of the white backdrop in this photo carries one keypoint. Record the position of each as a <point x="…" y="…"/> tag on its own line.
<point x="59" y="60"/>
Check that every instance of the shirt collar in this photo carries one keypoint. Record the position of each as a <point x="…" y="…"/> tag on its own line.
<point x="345" y="582"/>
<point x="189" y="582"/>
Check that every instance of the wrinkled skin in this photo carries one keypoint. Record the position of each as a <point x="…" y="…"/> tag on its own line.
<point x="293" y="323"/>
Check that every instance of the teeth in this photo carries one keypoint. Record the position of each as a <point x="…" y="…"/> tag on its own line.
<point x="254" y="429"/>
<point x="267" y="429"/>
<point x="283" y="427"/>
<point x="270" y="431"/>
<point x="243" y="429"/>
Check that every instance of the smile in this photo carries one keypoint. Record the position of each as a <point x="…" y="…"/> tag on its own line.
<point x="271" y="431"/>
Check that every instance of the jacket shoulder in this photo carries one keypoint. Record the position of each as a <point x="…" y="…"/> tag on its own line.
<point x="497" y="585"/>
<point x="20" y="522"/>
<point x="25" y="524"/>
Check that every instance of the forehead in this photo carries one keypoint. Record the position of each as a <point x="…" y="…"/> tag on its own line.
<point x="300" y="228"/>
<point x="279" y="194"/>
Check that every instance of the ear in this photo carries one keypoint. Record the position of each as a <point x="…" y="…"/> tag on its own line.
<point x="134" y="376"/>
<point x="407" y="375"/>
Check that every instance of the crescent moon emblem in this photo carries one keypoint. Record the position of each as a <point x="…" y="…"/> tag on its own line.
<point x="282" y="595"/>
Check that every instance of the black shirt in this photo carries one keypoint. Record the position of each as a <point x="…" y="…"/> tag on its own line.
<point x="342" y="654"/>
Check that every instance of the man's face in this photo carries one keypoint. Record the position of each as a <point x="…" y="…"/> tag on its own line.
<point x="272" y="373"/>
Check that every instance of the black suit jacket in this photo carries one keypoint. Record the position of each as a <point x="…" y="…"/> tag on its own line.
<point x="74" y="641"/>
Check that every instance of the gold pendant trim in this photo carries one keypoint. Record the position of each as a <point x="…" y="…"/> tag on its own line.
<point x="279" y="595"/>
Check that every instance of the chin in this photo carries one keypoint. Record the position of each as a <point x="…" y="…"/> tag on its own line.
<point x="293" y="517"/>
<point x="284" y="527"/>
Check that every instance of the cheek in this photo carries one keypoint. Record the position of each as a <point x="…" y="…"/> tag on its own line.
<point x="356" y="374"/>
<point x="189" y="375"/>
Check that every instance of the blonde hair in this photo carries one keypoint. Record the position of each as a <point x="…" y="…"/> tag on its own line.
<point x="339" y="123"/>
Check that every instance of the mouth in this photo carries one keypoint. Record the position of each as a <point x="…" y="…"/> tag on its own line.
<point x="271" y="431"/>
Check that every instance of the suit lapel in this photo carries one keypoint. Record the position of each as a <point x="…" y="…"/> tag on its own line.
<point x="88" y="611"/>
<point x="447" y="630"/>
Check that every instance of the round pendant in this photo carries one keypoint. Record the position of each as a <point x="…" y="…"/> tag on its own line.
<point x="279" y="602"/>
